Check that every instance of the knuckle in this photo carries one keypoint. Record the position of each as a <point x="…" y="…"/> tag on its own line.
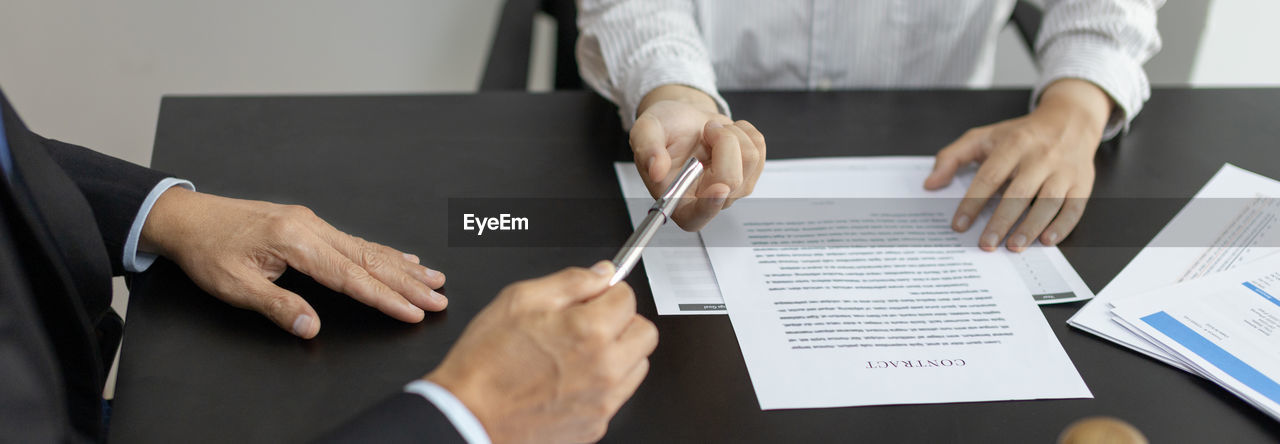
<point x="999" y="223"/>
<point x="974" y="133"/>
<point x="289" y="221"/>
<point x="277" y="306"/>
<point x="579" y="274"/>
<point x="1051" y="192"/>
<point x="370" y="258"/>
<point x="298" y="212"/>
<point x="609" y="375"/>
<point x="646" y="327"/>
<point x="734" y="182"/>
<point x="970" y="205"/>
<point x="521" y="289"/>
<point x="1049" y="156"/>
<point x="1017" y="192"/>
<point x="592" y="332"/>
<point x="1050" y="203"/>
<point x="988" y="180"/>
<point x="597" y="333"/>
<point x="354" y="274"/>
<point x="283" y="225"/>
<point x="1019" y="136"/>
<point x="1006" y="217"/>
<point x="517" y="293"/>
<point x="577" y="277"/>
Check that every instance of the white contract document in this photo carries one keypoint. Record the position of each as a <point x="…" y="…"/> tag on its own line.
<point x="850" y="302"/>
<point x="1232" y="220"/>
<point x="1225" y="327"/>
<point x="683" y="281"/>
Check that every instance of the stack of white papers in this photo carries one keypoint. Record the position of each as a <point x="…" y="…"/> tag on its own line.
<point x="1225" y="327"/>
<point x="1199" y="296"/>
<point x="846" y="286"/>
<point x="1229" y="222"/>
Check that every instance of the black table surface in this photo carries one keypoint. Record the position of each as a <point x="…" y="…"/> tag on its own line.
<point x="195" y="370"/>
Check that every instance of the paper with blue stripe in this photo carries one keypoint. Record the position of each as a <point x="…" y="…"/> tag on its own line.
<point x="1225" y="326"/>
<point x="1211" y="352"/>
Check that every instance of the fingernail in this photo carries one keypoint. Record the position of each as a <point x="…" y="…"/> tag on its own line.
<point x="301" y="325"/>
<point x="1053" y="238"/>
<point x="714" y="125"/>
<point x="989" y="240"/>
<point x="432" y="274"/>
<point x="603" y="268"/>
<point x="436" y="296"/>
<point x="416" y="310"/>
<point x="412" y="258"/>
<point x="962" y="222"/>
<point x="1019" y="240"/>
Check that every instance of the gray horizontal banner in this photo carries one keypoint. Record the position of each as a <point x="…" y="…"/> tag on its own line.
<point x="871" y="223"/>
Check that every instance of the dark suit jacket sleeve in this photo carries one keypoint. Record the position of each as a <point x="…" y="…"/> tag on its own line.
<point x="114" y="188"/>
<point x="402" y="418"/>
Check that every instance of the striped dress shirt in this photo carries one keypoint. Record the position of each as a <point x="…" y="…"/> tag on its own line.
<point x="629" y="47"/>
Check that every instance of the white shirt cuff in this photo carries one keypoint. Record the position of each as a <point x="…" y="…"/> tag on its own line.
<point x="458" y="413"/>
<point x="669" y="72"/>
<point x="136" y="261"/>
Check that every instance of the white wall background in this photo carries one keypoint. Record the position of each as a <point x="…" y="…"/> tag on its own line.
<point x="92" y="72"/>
<point x="1239" y="45"/>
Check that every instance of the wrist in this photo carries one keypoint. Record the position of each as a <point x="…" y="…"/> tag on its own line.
<point x="460" y="389"/>
<point x="1077" y="103"/>
<point x="464" y="421"/>
<point x="679" y="93"/>
<point x="169" y="222"/>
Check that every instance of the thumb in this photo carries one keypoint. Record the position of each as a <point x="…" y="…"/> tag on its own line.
<point x="285" y="308"/>
<point x="959" y="153"/>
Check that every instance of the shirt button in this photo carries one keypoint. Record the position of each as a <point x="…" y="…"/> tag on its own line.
<point x="824" y="84"/>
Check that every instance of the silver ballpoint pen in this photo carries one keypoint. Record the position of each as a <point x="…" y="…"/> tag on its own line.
<point x="658" y="215"/>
